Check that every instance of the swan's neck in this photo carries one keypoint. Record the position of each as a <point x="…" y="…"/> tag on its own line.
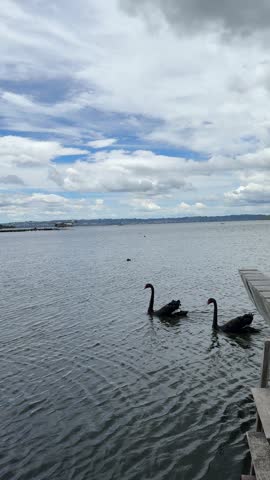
<point x="215" y="324"/>
<point x="151" y="303"/>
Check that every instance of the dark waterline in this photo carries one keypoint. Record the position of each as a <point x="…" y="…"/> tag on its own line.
<point x="91" y="388"/>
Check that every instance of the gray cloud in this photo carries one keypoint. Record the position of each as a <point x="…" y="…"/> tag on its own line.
<point x="12" y="180"/>
<point x="251" y="194"/>
<point x="241" y="17"/>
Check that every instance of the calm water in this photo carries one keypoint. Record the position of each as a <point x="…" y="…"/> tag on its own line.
<point x="91" y="388"/>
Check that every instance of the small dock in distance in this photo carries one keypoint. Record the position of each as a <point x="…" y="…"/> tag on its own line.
<point x="258" y="288"/>
<point x="31" y="229"/>
<point x="7" y="228"/>
<point x="36" y="226"/>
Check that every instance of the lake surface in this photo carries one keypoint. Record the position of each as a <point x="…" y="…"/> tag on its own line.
<point x="92" y="388"/>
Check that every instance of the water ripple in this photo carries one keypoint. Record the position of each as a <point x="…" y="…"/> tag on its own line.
<point x="91" y="387"/>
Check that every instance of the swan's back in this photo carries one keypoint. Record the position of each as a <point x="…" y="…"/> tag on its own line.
<point x="168" y="309"/>
<point x="237" y="324"/>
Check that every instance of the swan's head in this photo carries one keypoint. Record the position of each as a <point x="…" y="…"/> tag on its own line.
<point x="210" y="300"/>
<point x="148" y="285"/>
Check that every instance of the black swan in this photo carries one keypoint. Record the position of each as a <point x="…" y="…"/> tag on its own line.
<point x="236" y="325"/>
<point x="169" y="310"/>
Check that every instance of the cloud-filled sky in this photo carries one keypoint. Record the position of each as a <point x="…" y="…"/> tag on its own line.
<point x="123" y="108"/>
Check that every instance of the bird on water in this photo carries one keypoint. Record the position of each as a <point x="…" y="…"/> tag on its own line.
<point x="236" y="325"/>
<point x="169" y="310"/>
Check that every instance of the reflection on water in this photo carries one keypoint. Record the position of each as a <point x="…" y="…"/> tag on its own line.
<point x="92" y="387"/>
<point x="214" y="340"/>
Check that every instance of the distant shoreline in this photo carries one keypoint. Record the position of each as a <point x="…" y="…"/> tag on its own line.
<point x="159" y="221"/>
<point x="63" y="224"/>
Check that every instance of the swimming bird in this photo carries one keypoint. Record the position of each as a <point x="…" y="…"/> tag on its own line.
<point x="169" y="310"/>
<point x="236" y="325"/>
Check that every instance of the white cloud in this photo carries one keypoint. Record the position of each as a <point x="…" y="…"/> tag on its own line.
<point x="144" y="204"/>
<point x="121" y="171"/>
<point x="106" y="142"/>
<point x="154" y="83"/>
<point x="20" y="151"/>
<point x="210" y="100"/>
<point x="199" y="205"/>
<point x="186" y="207"/>
<point x="145" y="173"/>
<point x="49" y="206"/>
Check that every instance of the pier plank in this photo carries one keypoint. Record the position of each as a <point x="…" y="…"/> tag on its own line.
<point x="262" y="401"/>
<point x="258" y="288"/>
<point x="260" y="454"/>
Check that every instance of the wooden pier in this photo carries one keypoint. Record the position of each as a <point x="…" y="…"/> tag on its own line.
<point x="258" y="288"/>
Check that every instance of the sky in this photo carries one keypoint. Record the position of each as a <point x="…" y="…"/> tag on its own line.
<point x="123" y="108"/>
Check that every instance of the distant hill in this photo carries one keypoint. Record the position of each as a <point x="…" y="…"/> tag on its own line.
<point x="135" y="221"/>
